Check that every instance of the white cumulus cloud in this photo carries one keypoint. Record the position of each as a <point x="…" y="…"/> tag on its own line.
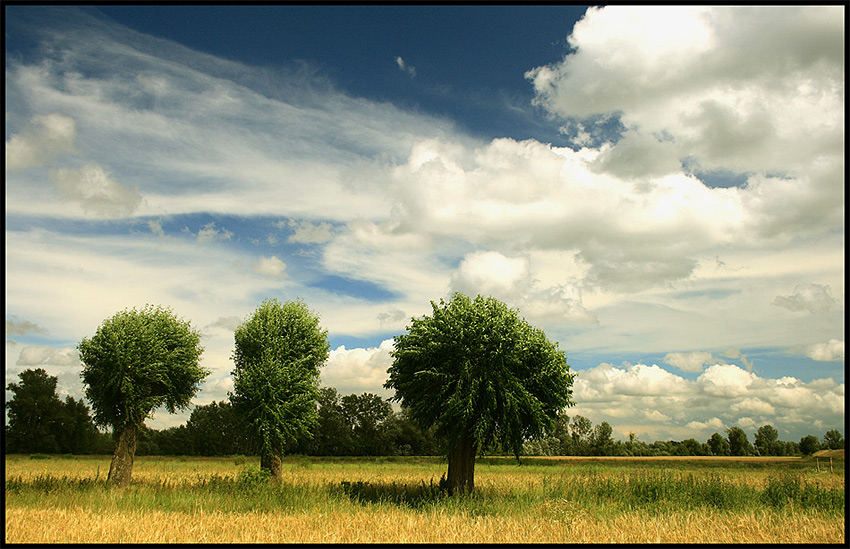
<point x="358" y="370"/>
<point x="270" y="266"/>
<point x="751" y="90"/>
<point x="662" y="405"/>
<point x="714" y="423"/>
<point x="491" y="273"/>
<point x="827" y="351"/>
<point x="715" y="79"/>
<point x="726" y="380"/>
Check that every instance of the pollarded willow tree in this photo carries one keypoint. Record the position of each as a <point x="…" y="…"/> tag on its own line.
<point x="481" y="375"/>
<point x="279" y="350"/>
<point x="137" y="361"/>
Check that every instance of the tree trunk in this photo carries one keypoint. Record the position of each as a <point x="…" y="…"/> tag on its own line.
<point x="461" y="477"/>
<point x="121" y="468"/>
<point x="271" y="461"/>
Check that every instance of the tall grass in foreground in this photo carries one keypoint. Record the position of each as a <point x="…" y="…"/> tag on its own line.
<point x="251" y="491"/>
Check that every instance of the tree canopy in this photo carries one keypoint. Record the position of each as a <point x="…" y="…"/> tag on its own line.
<point x="766" y="439"/>
<point x="482" y="375"/>
<point x="738" y="443"/>
<point x="139" y="360"/>
<point x="833" y="440"/>
<point x="39" y="422"/>
<point x="809" y="444"/>
<point x="279" y="350"/>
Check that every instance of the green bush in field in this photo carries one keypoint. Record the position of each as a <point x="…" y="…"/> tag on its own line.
<point x="792" y="490"/>
<point x="39" y="456"/>
<point x="253" y="477"/>
<point x="409" y="495"/>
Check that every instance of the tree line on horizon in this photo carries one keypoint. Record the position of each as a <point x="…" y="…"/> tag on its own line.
<point x="348" y="425"/>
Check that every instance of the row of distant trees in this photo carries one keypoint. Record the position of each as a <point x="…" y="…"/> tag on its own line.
<point x="578" y="437"/>
<point x="349" y="425"/>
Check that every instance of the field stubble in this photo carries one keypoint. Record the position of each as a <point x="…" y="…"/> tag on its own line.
<point x="337" y="501"/>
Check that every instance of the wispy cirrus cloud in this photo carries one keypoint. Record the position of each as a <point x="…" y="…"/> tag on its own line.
<point x="811" y="297"/>
<point x="98" y="193"/>
<point x="15" y="326"/>
<point x="44" y="137"/>
<point x="404" y="67"/>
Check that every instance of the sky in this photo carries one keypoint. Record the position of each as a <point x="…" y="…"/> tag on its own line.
<point x="660" y="189"/>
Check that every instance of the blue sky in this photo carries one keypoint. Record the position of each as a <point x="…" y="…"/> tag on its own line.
<point x="660" y="189"/>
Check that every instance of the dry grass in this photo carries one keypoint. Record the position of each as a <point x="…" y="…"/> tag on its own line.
<point x="387" y="524"/>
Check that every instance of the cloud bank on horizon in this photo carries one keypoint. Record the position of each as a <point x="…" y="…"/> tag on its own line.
<point x="694" y="212"/>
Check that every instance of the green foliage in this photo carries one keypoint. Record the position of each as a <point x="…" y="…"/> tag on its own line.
<point x="366" y="425"/>
<point x="34" y="413"/>
<point x="832" y="440"/>
<point x="216" y="429"/>
<point x="415" y="495"/>
<point x="580" y="431"/>
<point x="809" y="444"/>
<point x="77" y="432"/>
<point x="333" y="436"/>
<point x="738" y="443"/>
<point x="368" y="417"/>
<point x="40" y="422"/>
<point x="279" y="350"/>
<point x="601" y="440"/>
<point x="718" y="445"/>
<point x="766" y="440"/>
<point x="139" y="360"/>
<point x="474" y="367"/>
<point x="249" y="477"/>
<point x="789" y="489"/>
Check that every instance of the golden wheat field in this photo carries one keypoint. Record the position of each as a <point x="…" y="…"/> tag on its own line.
<point x="380" y="500"/>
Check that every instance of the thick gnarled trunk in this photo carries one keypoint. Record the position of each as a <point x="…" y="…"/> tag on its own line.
<point x="461" y="476"/>
<point x="271" y="461"/>
<point x="121" y="468"/>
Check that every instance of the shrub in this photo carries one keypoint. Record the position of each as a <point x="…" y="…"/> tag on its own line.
<point x="251" y="478"/>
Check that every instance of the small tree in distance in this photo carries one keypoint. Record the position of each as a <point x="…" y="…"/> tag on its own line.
<point x="718" y="445"/>
<point x="279" y="350"/>
<point x="833" y="440"/>
<point x="809" y="444"/>
<point x="135" y="362"/>
<point x="482" y="375"/>
<point x="766" y="440"/>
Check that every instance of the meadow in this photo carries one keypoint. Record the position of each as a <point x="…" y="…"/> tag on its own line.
<point x="399" y="500"/>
